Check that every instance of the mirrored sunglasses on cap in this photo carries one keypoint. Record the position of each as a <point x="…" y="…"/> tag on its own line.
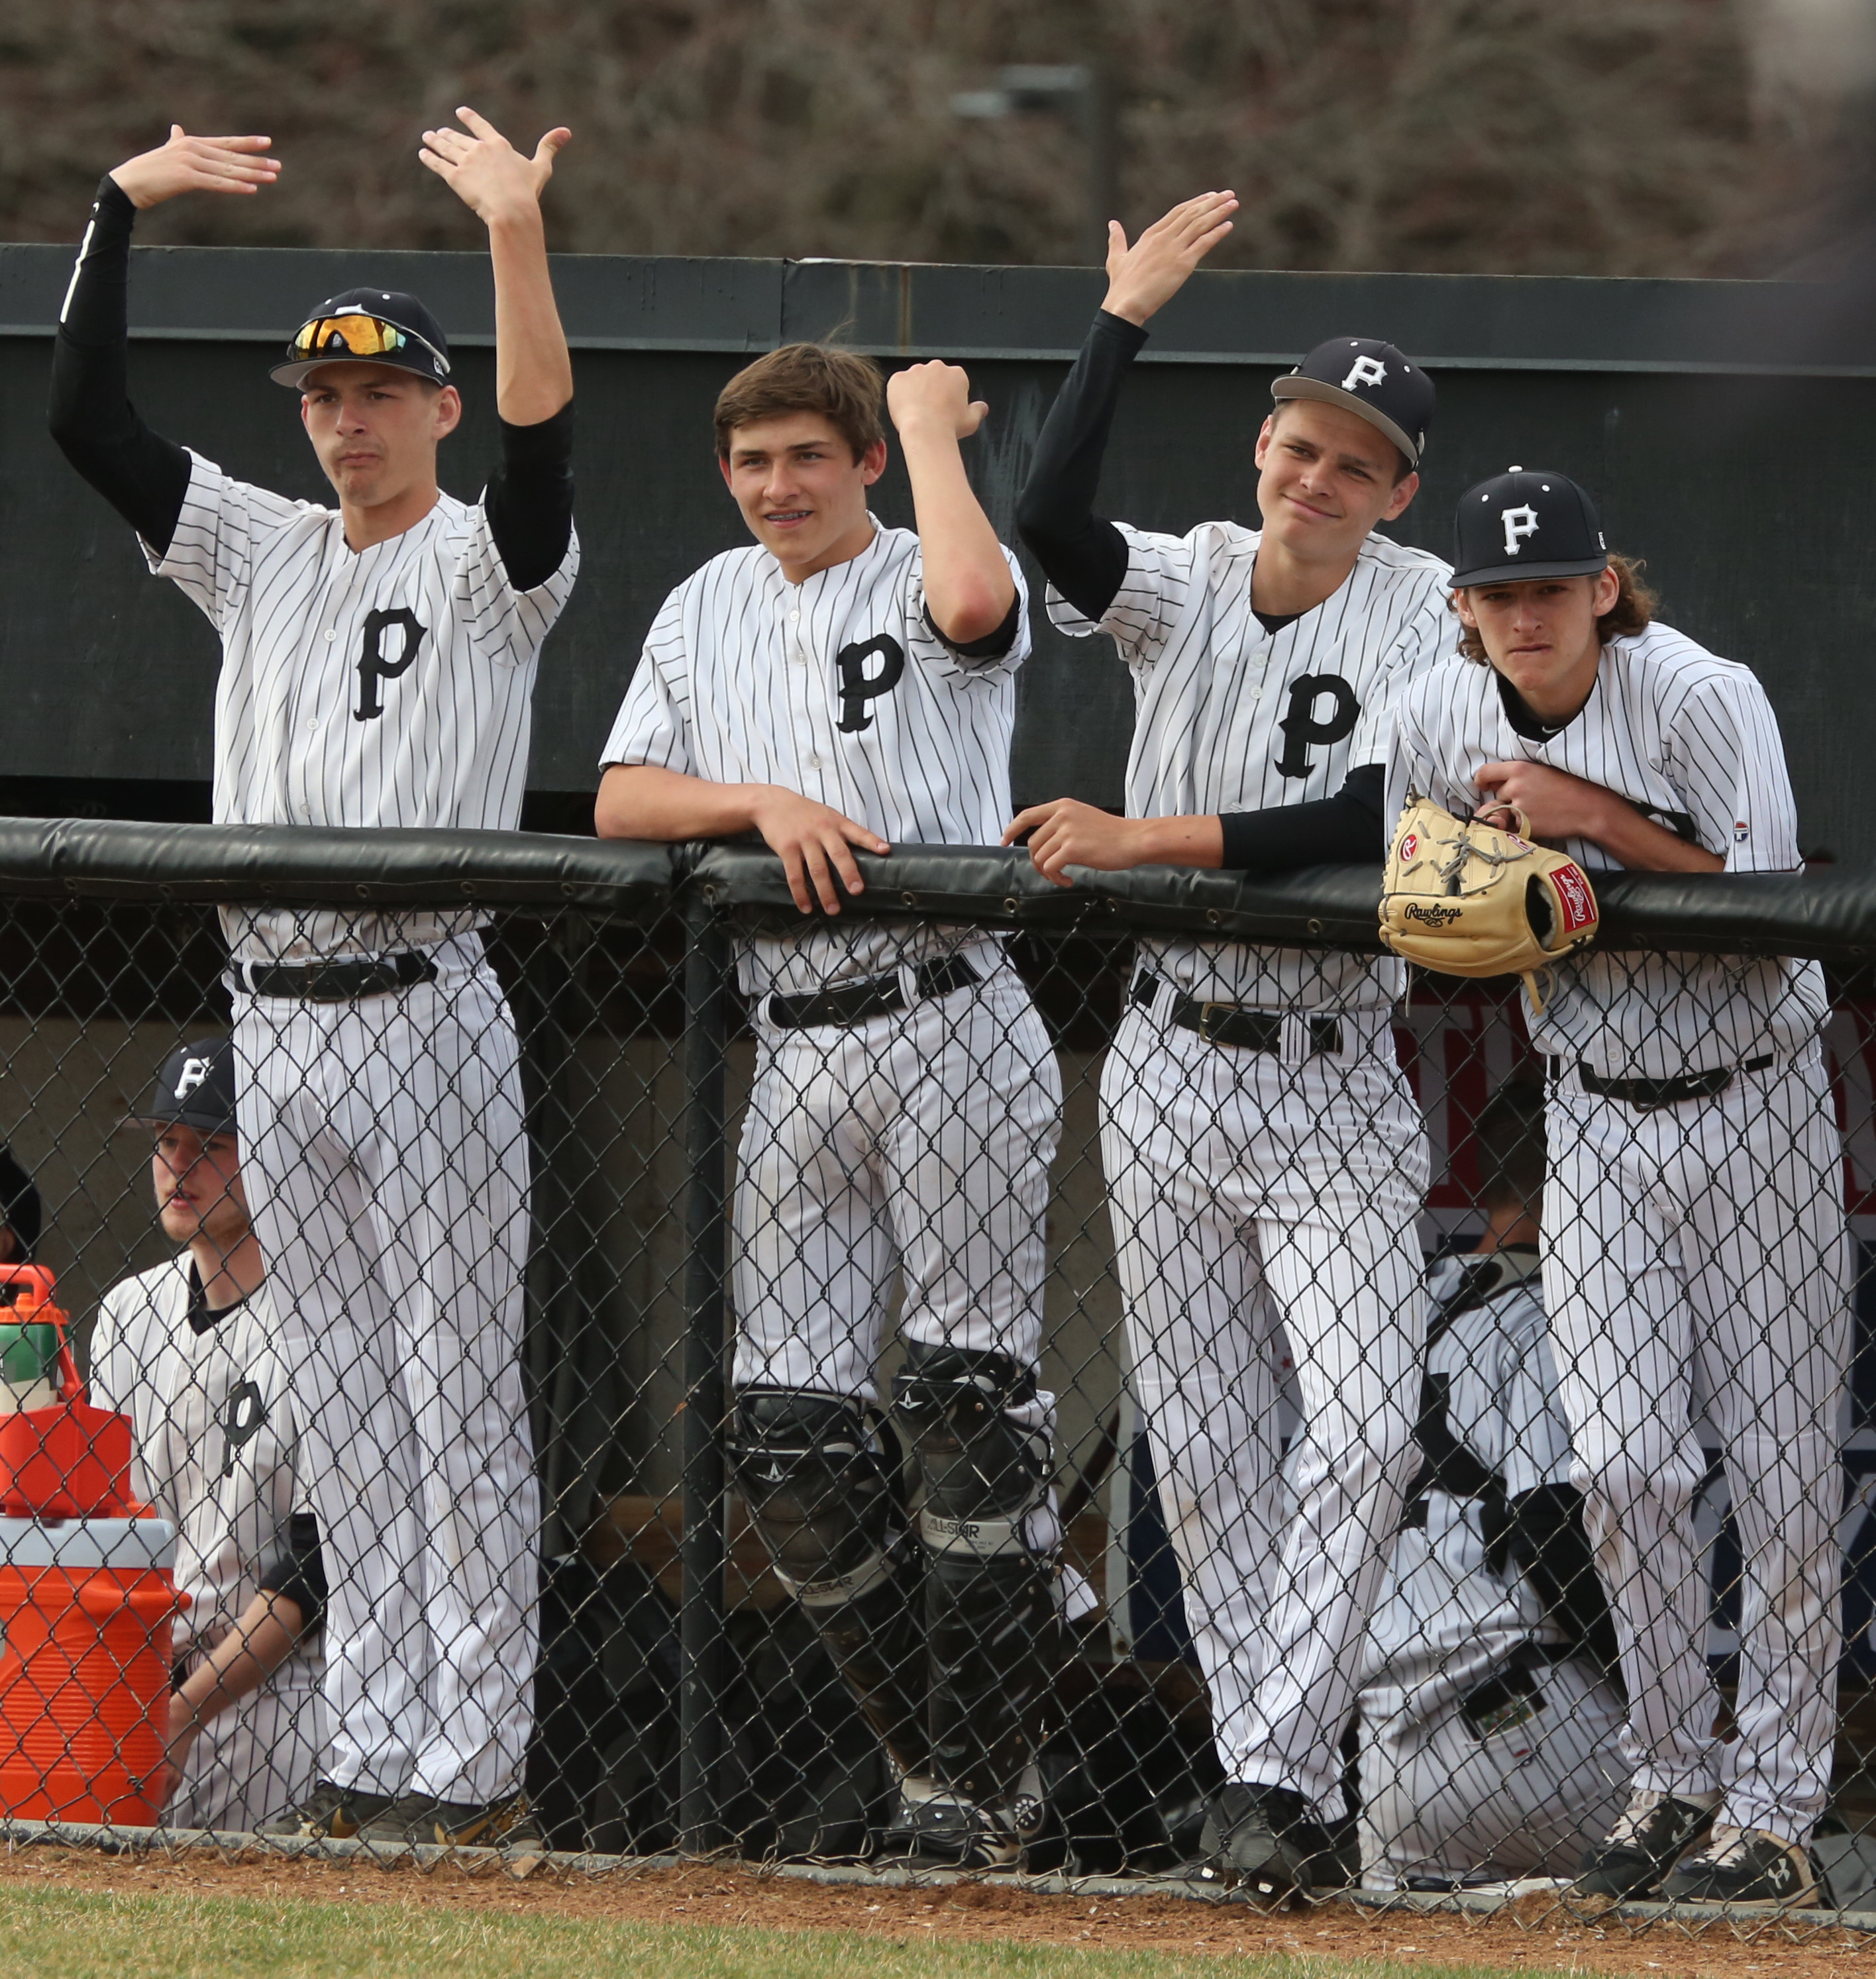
<point x="353" y="333"/>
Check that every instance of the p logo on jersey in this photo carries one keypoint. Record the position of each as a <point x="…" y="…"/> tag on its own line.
<point x="859" y="686"/>
<point x="1304" y="727"/>
<point x="375" y="666"/>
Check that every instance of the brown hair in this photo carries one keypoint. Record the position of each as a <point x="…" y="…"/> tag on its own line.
<point x="1633" y="608"/>
<point x="846" y="390"/>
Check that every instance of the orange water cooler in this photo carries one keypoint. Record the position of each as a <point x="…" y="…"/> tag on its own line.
<point x="88" y="1595"/>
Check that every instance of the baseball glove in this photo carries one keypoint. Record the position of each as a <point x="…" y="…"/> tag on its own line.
<point x="1466" y="898"/>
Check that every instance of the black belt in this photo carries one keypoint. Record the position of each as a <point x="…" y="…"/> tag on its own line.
<point x="336" y="981"/>
<point x="875" y="996"/>
<point x="1232" y="1024"/>
<point x="1649" y="1093"/>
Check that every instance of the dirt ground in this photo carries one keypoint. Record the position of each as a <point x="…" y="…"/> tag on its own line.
<point x="719" y="1896"/>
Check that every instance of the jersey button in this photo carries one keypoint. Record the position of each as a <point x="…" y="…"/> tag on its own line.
<point x="330" y="637"/>
<point x="794" y="617"/>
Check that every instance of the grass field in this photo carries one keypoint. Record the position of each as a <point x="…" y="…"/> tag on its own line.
<point x="62" y="1934"/>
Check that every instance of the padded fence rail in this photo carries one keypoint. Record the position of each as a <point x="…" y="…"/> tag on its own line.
<point x="973" y="1376"/>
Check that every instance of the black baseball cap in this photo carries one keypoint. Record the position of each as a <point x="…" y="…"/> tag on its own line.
<point x="1527" y="522"/>
<point x="19" y="1202"/>
<point x="1365" y="376"/>
<point x="367" y="326"/>
<point x="195" y="1088"/>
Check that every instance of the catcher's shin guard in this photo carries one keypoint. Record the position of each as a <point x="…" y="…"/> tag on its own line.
<point x="992" y="1629"/>
<point x="821" y="1486"/>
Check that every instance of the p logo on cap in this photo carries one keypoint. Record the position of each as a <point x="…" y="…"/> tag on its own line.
<point x="1518" y="524"/>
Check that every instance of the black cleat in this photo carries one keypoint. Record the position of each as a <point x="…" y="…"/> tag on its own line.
<point x="1746" y="1869"/>
<point x="1265" y="1842"/>
<point x="328" y="1813"/>
<point x="935" y="1823"/>
<point x="422" y="1817"/>
<point x="1650" y="1835"/>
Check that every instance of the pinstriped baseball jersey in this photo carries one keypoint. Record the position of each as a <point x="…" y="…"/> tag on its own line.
<point x="390" y="686"/>
<point x="1231" y="717"/>
<point x="1691" y="740"/>
<point x="217" y="1436"/>
<point x="838" y="688"/>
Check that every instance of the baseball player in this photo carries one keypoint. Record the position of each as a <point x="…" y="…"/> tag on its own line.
<point x="840" y="684"/>
<point x="1265" y="1161"/>
<point x="188" y="1352"/>
<point x="377" y="662"/>
<point x="1489" y="1723"/>
<point x="1693" y="1227"/>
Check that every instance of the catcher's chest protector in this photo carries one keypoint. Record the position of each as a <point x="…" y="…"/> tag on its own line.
<point x="1470" y="899"/>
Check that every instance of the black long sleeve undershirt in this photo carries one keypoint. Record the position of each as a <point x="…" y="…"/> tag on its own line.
<point x="1082" y="556"/>
<point x="1349" y="829"/>
<point x="145" y="478"/>
<point x="1085" y="559"/>
<point x="299" y="1571"/>
<point x="142" y="475"/>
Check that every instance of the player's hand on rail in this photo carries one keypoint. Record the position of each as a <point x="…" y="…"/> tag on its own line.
<point x="196" y="164"/>
<point x="1144" y="277"/>
<point x="484" y="171"/>
<point x="814" y="843"/>
<point x="1065" y="832"/>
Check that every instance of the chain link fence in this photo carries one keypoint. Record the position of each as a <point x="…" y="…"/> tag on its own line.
<point x="996" y="1350"/>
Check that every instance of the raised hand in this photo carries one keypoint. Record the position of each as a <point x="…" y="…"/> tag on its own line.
<point x="936" y="393"/>
<point x="196" y="164"/>
<point x="1145" y="278"/>
<point x="484" y="171"/>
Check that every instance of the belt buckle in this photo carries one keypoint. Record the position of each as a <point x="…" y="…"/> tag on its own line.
<point x="1205" y="1019"/>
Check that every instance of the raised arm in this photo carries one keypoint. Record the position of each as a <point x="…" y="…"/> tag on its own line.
<point x="533" y="373"/>
<point x="142" y="475"/>
<point x="969" y="593"/>
<point x="529" y="501"/>
<point x="1084" y="557"/>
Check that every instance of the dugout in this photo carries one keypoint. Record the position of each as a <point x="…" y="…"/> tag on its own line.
<point x="1721" y="426"/>
<point x="1683" y="406"/>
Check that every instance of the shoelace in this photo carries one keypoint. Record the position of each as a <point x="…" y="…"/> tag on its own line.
<point x="1728" y="1845"/>
<point x="1637" y="1815"/>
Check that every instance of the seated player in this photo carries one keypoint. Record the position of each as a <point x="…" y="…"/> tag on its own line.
<point x="187" y="1352"/>
<point x="19" y="1212"/>
<point x="1694" y="1230"/>
<point x="839" y="685"/>
<point x="1488" y="1721"/>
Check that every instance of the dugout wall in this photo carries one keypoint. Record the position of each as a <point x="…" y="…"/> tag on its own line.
<point x="1724" y="429"/>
